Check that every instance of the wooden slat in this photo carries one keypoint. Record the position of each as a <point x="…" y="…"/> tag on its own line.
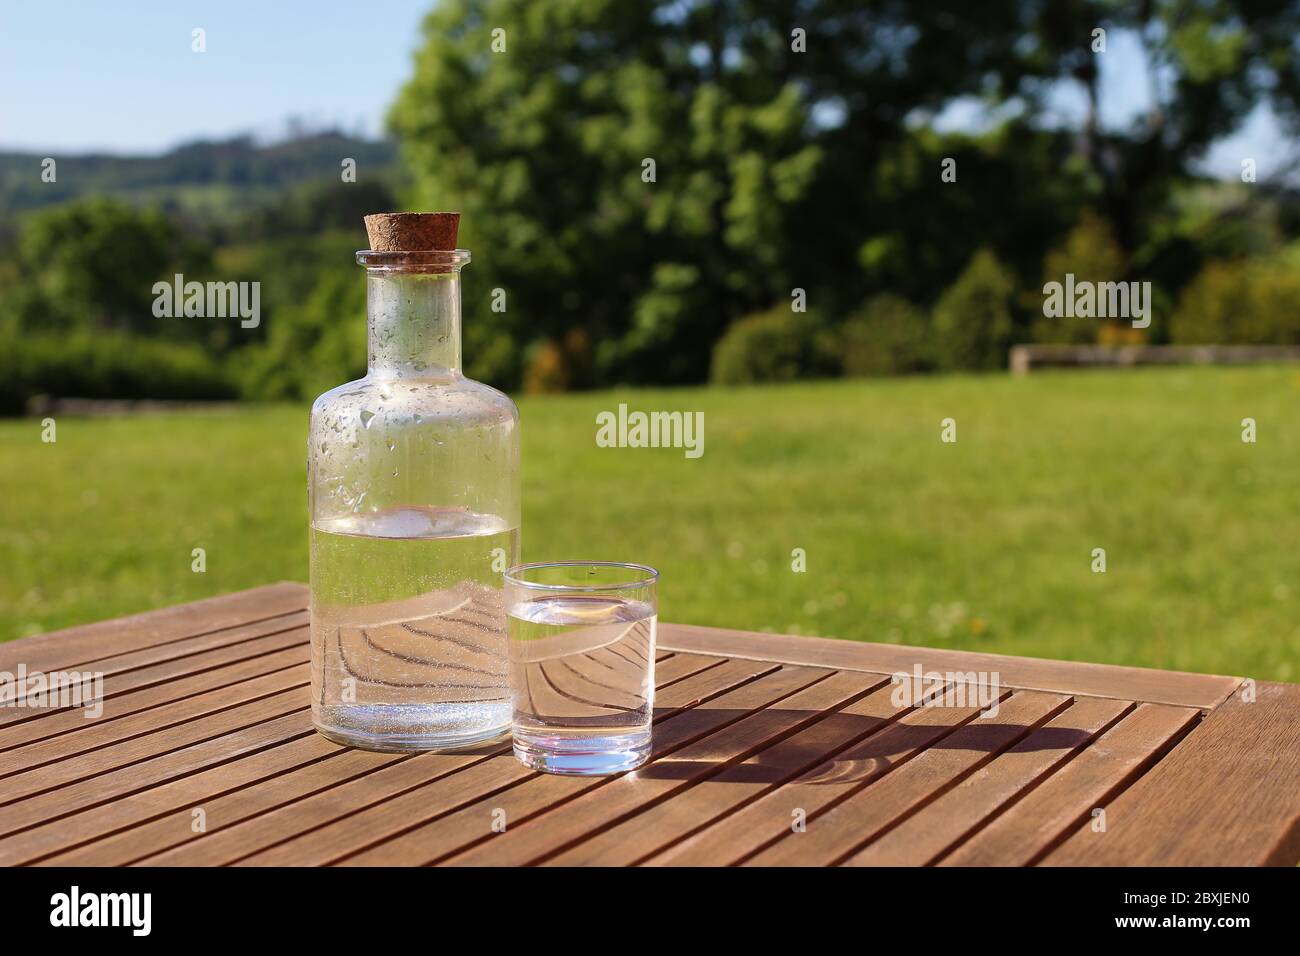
<point x="831" y="835"/>
<point x="569" y="688"/>
<point x="166" y="728"/>
<point x="152" y="665"/>
<point x="125" y="783"/>
<point x="662" y="825"/>
<point x="606" y="841"/>
<point x="205" y="709"/>
<point x="228" y="795"/>
<point x="129" y="702"/>
<point x="123" y="830"/>
<point x="156" y="824"/>
<point x="741" y="783"/>
<point x="467" y="823"/>
<point x="541" y="793"/>
<point x="29" y="784"/>
<point x="262" y="816"/>
<point x="1022" y="833"/>
<point x="265" y="824"/>
<point x="901" y="732"/>
<point x="272" y="726"/>
<point x="79" y="645"/>
<point x="400" y="816"/>
<point x="927" y="835"/>
<point x="1205" y="691"/>
<point x="1226" y="796"/>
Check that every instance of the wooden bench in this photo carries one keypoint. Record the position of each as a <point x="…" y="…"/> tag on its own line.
<point x="768" y="750"/>
<point x="1022" y="358"/>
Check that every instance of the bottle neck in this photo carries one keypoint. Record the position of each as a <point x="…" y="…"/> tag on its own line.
<point x="414" y="322"/>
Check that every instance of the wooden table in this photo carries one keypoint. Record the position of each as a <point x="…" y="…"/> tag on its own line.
<point x="768" y="750"/>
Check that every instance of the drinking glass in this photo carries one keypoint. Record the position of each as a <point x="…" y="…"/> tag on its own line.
<point x="582" y="664"/>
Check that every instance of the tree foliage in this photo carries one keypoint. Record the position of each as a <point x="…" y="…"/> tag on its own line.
<point x="763" y="154"/>
<point x="91" y="265"/>
<point x="973" y="322"/>
<point x="646" y="183"/>
<point x="1254" y="302"/>
<point x="888" y="336"/>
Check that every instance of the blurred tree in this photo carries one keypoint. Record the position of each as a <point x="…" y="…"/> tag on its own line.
<point x="92" y="264"/>
<point x="774" y="346"/>
<point x="1207" y="64"/>
<point x="889" y="336"/>
<point x="1254" y="302"/>
<point x="316" y="207"/>
<point x="1015" y="190"/>
<point x="973" y="319"/>
<point x="313" y="345"/>
<point x="650" y="171"/>
<point x="1090" y="254"/>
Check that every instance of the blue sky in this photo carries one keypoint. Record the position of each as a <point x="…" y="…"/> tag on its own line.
<point x="121" y="77"/>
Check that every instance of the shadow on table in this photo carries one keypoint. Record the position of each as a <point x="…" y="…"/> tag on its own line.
<point x="881" y="743"/>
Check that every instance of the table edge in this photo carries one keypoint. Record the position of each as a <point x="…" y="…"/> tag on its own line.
<point x="1149" y="685"/>
<point x="1178" y="688"/>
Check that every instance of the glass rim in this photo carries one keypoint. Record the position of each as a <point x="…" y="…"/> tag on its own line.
<point x="433" y="260"/>
<point x="650" y="575"/>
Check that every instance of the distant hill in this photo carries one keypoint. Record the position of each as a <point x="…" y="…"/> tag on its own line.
<point x="212" y="180"/>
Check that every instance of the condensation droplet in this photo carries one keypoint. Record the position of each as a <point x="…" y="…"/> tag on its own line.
<point x="367" y="416"/>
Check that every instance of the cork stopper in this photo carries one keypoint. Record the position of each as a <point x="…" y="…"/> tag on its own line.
<point x="413" y="231"/>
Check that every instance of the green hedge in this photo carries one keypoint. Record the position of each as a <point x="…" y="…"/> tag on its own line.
<point x="1242" y="302"/>
<point x="888" y="336"/>
<point x="778" y="345"/>
<point x="105" y="366"/>
<point x="972" y="322"/>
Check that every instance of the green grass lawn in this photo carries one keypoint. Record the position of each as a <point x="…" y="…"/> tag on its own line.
<point x="983" y="544"/>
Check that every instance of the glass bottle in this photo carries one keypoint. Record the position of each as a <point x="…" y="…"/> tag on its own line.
<point x="413" y="475"/>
